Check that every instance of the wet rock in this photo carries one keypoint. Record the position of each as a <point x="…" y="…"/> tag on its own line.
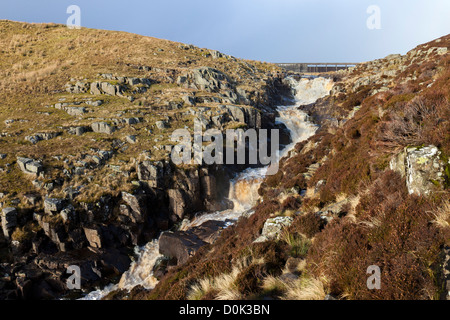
<point x="178" y="202"/>
<point x="98" y="88"/>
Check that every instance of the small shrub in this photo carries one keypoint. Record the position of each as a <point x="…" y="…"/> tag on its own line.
<point x="309" y="224"/>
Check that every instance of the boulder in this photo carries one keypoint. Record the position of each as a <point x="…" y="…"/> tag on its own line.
<point x="78" y="87"/>
<point x="68" y="214"/>
<point x="422" y="167"/>
<point x="247" y="115"/>
<point x="78" y="131"/>
<point x="42" y="136"/>
<point x="102" y="127"/>
<point x="210" y="80"/>
<point x="188" y="100"/>
<point x="30" y="166"/>
<point x="131" y="121"/>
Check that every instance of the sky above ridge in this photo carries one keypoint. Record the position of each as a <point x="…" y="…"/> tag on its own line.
<point x="266" y="30"/>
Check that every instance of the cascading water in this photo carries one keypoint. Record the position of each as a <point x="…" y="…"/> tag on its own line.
<point x="244" y="187"/>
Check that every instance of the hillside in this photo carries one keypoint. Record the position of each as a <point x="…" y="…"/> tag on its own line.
<point x="371" y="188"/>
<point x="86" y="177"/>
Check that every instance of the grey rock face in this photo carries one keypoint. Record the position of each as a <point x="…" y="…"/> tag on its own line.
<point x="78" y="87"/>
<point x="188" y="100"/>
<point x="422" y="167"/>
<point x="184" y="244"/>
<point x="210" y="80"/>
<point x="247" y="115"/>
<point x="98" y="88"/>
<point x="79" y="131"/>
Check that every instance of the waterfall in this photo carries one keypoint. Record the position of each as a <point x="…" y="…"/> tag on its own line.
<point x="244" y="187"/>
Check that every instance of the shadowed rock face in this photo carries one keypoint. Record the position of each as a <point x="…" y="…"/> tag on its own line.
<point x="9" y="221"/>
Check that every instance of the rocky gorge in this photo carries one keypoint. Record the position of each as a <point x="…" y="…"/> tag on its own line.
<point x="69" y="213"/>
<point x="86" y="177"/>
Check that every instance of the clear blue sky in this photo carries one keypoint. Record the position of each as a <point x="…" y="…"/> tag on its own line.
<point x="267" y="30"/>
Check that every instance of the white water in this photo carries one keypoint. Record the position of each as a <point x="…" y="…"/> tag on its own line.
<point x="243" y="191"/>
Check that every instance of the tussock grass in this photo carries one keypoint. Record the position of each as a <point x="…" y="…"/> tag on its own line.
<point x="224" y="286"/>
<point x="442" y="215"/>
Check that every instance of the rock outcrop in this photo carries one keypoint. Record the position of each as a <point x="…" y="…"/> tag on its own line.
<point x="422" y="167"/>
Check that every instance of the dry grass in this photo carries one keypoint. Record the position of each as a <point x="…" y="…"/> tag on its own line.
<point x="442" y="215"/>
<point x="303" y="288"/>
<point x="224" y="286"/>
